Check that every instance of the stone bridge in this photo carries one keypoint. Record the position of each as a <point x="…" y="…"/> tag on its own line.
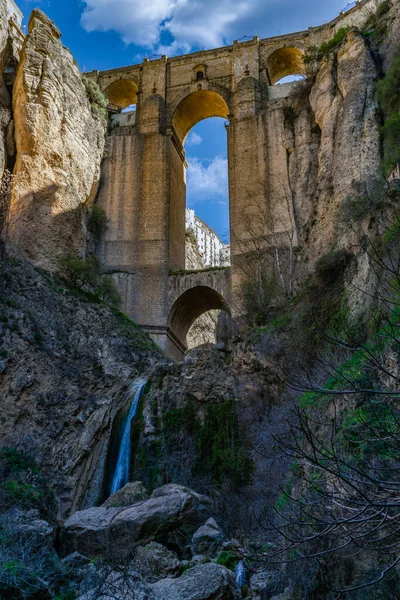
<point x="190" y="295"/>
<point x="144" y="176"/>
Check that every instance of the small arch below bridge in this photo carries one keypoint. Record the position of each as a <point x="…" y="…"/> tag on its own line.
<point x="190" y="306"/>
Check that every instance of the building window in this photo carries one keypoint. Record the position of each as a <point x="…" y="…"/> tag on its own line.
<point x="199" y="76"/>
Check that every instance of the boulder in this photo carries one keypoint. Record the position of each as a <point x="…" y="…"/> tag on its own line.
<point x="205" y="582"/>
<point x="207" y="539"/>
<point x="115" y="532"/>
<point x="154" y="562"/>
<point x="130" y="494"/>
<point x="267" y="583"/>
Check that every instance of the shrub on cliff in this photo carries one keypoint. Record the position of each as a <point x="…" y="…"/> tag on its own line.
<point x="388" y="96"/>
<point x="98" y="101"/>
<point x="388" y="88"/>
<point x="97" y="222"/>
<point x="81" y="272"/>
<point x="22" y="485"/>
<point x="108" y="291"/>
<point x="317" y="53"/>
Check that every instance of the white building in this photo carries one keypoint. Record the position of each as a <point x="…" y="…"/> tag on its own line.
<point x="212" y="250"/>
<point x="14" y="12"/>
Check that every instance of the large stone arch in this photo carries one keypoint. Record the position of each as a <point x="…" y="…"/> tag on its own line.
<point x="288" y="60"/>
<point x="199" y="105"/>
<point x="122" y="92"/>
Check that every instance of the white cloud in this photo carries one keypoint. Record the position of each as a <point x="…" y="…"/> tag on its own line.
<point x="208" y="182"/>
<point x="193" y="139"/>
<point x="210" y="23"/>
<point x="189" y="22"/>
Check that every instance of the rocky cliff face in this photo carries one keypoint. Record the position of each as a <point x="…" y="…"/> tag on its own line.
<point x="66" y="367"/>
<point x="10" y="44"/>
<point x="59" y="149"/>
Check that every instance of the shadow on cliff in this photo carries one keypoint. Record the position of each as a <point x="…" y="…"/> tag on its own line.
<point x="34" y="231"/>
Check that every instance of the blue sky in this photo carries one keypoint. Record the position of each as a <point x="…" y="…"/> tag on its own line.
<point x="103" y="34"/>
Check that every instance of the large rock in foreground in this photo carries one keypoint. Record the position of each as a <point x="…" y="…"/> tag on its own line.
<point x="205" y="582"/>
<point x="115" y="532"/>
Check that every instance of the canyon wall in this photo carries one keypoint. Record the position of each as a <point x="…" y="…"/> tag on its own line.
<point x="59" y="145"/>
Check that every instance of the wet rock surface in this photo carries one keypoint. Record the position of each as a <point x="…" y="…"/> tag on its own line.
<point x="115" y="532"/>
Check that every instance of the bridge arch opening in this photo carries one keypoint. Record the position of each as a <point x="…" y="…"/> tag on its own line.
<point x="190" y="306"/>
<point x="196" y="107"/>
<point x="122" y="94"/>
<point x="286" y="62"/>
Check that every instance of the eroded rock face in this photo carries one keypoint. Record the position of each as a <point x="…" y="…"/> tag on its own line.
<point x="205" y="582"/>
<point x="345" y="118"/>
<point x="59" y="149"/>
<point x="115" y="532"/>
<point x="66" y="369"/>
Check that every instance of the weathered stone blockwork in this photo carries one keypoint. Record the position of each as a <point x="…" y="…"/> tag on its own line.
<point x="275" y="167"/>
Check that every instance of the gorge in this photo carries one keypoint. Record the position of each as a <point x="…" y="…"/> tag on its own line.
<point x="264" y="466"/>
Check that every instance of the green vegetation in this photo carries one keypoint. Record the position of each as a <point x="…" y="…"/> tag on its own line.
<point x="189" y="451"/>
<point x="319" y="306"/>
<point x="108" y="291"/>
<point x="391" y="142"/>
<point x="318" y="53"/>
<point x="81" y="272"/>
<point x="134" y="332"/>
<point x="29" y="565"/>
<point x="228" y="559"/>
<point x="388" y="96"/>
<point x="98" y="101"/>
<point x="21" y="484"/>
<point x="376" y="27"/>
<point x="221" y="448"/>
<point x="86" y="275"/>
<point x="97" y="222"/>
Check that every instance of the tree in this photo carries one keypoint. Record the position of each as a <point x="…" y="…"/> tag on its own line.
<point x="341" y="507"/>
<point x="266" y="252"/>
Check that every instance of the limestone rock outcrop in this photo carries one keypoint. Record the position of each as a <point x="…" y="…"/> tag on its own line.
<point x="116" y="532"/>
<point x="336" y="145"/>
<point x="59" y="146"/>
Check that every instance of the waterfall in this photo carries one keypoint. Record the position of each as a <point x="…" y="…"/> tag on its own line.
<point x="121" y="473"/>
<point x="240" y="572"/>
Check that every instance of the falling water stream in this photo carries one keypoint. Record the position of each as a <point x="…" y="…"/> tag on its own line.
<point x="240" y="572"/>
<point x="121" y="473"/>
